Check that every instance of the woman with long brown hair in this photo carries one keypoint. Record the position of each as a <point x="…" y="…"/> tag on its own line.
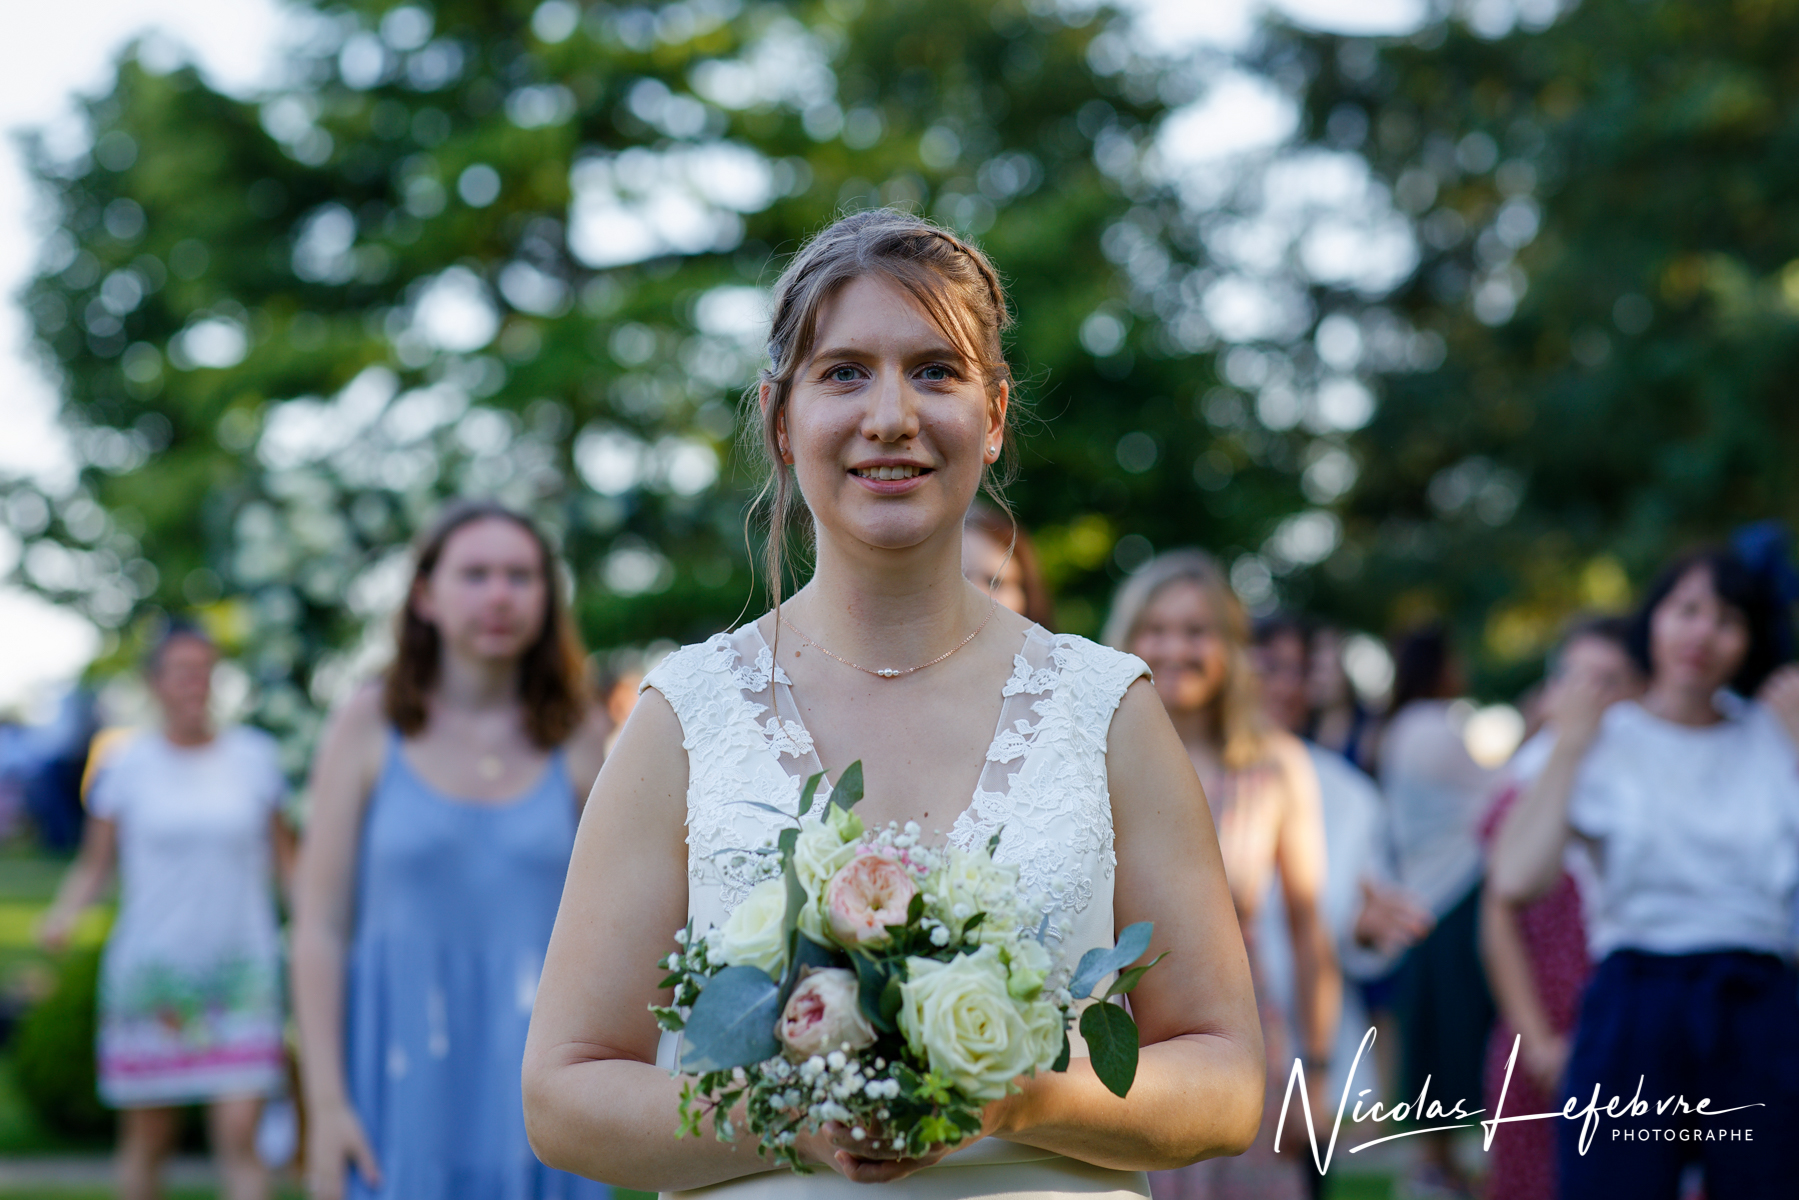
<point x="443" y="808"/>
<point x="1178" y="614"/>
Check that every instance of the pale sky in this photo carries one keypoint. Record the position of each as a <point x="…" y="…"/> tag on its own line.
<point x="56" y="51"/>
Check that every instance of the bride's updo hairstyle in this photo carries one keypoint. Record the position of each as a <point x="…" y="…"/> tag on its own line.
<point x="950" y="279"/>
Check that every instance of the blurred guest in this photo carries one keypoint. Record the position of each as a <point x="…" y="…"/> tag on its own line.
<point x="1436" y="794"/>
<point x="1536" y="954"/>
<point x="190" y="987"/>
<point x="444" y="802"/>
<point x="1281" y="654"/>
<point x="1688" y="800"/>
<point x="1180" y="616"/>
<point x="1370" y="918"/>
<point x="1339" y="719"/>
<point x="998" y="556"/>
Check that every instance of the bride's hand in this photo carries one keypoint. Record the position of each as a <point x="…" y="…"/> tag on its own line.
<point x="836" y="1147"/>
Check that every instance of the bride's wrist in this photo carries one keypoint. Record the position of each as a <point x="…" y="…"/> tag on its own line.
<point x="1004" y="1118"/>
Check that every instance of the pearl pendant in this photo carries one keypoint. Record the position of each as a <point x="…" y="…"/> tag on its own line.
<point x="888" y="673"/>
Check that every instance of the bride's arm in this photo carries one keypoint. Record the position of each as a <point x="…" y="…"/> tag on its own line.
<point x="595" y="1102"/>
<point x="1200" y="1078"/>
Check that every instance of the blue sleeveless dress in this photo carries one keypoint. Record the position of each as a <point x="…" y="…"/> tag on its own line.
<point x="455" y="902"/>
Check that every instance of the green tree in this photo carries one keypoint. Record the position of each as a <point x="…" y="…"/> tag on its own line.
<point x="522" y="249"/>
<point x="1607" y="216"/>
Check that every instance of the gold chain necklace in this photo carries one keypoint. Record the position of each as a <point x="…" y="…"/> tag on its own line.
<point x="895" y="672"/>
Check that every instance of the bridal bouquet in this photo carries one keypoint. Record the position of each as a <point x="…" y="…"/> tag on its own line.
<point x="888" y="986"/>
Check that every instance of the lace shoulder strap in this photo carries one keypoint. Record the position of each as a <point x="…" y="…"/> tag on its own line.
<point x="1092" y="680"/>
<point x="693" y="680"/>
<point x="721" y="689"/>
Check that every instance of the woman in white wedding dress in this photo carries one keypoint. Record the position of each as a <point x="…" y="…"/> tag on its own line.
<point x="886" y="405"/>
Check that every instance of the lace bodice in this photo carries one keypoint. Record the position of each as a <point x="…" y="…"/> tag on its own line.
<point x="1044" y="780"/>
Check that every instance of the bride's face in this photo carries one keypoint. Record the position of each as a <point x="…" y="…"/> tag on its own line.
<point x="888" y="425"/>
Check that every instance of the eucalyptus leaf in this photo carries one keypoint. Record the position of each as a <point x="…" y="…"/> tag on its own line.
<point x="993" y="842"/>
<point x="1061" y="1063"/>
<point x="1131" y="978"/>
<point x="732" y="1024"/>
<point x="809" y="791"/>
<point x="796" y="898"/>
<point x="1112" y="1045"/>
<point x="1100" y="962"/>
<point x="849" y="787"/>
<point x="973" y="923"/>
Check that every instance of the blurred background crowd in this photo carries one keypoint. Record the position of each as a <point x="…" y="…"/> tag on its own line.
<point x="1377" y="355"/>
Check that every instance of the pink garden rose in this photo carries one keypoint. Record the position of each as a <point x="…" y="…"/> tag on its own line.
<point x="865" y="896"/>
<point x="823" y="1015"/>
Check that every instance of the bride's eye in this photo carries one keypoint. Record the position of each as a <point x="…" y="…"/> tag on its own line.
<point x="842" y="374"/>
<point x="935" y="373"/>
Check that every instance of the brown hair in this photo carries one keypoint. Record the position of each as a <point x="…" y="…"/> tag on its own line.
<point x="1241" y="723"/>
<point x="1003" y="530"/>
<point x="552" y="672"/>
<point x="951" y="280"/>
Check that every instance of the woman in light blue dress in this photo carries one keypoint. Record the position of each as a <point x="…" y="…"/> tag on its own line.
<point x="444" y="804"/>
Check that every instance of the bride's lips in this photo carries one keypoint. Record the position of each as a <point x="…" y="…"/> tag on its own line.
<point x="890" y="476"/>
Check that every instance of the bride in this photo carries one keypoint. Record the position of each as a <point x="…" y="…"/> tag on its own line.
<point x="886" y="405"/>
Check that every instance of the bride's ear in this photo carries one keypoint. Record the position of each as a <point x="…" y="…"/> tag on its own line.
<point x="996" y="421"/>
<point x="765" y="397"/>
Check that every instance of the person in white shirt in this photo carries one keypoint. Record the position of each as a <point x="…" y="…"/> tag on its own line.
<point x="190" y="985"/>
<point x="1688" y="800"/>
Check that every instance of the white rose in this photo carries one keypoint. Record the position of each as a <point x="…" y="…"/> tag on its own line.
<point x="1047" y="1027"/>
<point x="958" y="1016"/>
<point x="751" y="936"/>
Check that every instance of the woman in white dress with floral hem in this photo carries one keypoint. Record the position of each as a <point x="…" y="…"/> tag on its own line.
<point x="886" y="404"/>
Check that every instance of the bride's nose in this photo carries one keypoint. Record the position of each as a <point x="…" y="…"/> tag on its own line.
<point x="892" y="414"/>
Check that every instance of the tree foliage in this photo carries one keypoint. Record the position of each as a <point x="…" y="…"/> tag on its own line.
<point x="522" y="249"/>
<point x="1608" y="219"/>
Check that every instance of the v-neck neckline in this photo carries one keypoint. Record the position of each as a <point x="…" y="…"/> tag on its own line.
<point x="778" y="679"/>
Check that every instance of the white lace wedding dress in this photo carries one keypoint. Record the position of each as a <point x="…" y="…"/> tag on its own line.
<point x="1044" y="781"/>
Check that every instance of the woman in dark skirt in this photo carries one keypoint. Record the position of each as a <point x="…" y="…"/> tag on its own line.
<point x="1689" y="801"/>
